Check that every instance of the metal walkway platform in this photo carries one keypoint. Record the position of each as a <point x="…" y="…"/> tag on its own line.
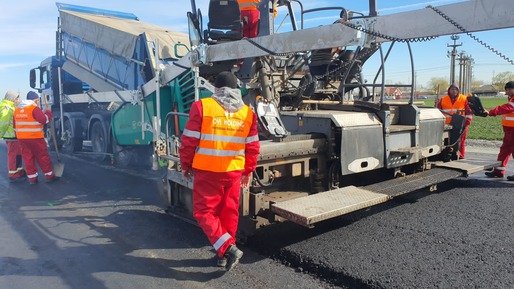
<point x="322" y="206"/>
<point x="326" y="205"/>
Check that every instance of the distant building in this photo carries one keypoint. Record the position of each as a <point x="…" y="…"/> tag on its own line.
<point x="486" y="90"/>
<point x="393" y="92"/>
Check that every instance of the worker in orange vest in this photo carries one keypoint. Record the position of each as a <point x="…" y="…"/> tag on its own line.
<point x="250" y="16"/>
<point x="220" y="146"/>
<point x="507" y="147"/>
<point x="29" y="121"/>
<point x="456" y="103"/>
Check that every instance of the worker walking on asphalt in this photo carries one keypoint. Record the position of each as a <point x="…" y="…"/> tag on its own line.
<point x="456" y="103"/>
<point x="250" y="16"/>
<point x="507" y="147"/>
<point x="220" y="145"/>
<point x="14" y="160"/>
<point x="29" y="121"/>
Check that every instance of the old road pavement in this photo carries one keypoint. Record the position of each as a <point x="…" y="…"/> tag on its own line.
<point x="102" y="228"/>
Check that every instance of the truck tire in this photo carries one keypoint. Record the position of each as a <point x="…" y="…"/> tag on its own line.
<point x="71" y="143"/>
<point x="123" y="155"/>
<point x="98" y="142"/>
<point x="50" y="141"/>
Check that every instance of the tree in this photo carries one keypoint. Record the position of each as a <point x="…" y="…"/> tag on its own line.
<point x="438" y="85"/>
<point x="501" y="78"/>
<point x="476" y="84"/>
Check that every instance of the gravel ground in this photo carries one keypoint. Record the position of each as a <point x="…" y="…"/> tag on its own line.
<point x="483" y="146"/>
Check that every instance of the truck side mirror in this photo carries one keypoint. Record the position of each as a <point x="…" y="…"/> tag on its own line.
<point x="193" y="24"/>
<point x="33" y="78"/>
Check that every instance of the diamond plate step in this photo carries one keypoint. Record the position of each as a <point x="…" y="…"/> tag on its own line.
<point x="314" y="208"/>
<point x="311" y="209"/>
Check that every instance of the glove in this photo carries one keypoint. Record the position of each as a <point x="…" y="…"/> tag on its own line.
<point x="187" y="174"/>
<point x="49" y="114"/>
<point x="245" y="181"/>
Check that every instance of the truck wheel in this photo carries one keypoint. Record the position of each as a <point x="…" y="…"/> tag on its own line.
<point x="50" y="141"/>
<point x="71" y="143"/>
<point x="123" y="155"/>
<point x="98" y="142"/>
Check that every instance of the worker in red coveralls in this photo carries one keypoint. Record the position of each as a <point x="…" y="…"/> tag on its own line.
<point x="29" y="121"/>
<point x="250" y="16"/>
<point x="14" y="161"/>
<point x="456" y="103"/>
<point x="220" y="146"/>
<point x="507" y="147"/>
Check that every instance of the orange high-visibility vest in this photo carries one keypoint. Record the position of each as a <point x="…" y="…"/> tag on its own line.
<point x="223" y="138"/>
<point x="453" y="108"/>
<point x="27" y="127"/>
<point x="248" y="4"/>
<point x="508" y="119"/>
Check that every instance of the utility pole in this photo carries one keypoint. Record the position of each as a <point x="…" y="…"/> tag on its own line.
<point x="453" y="55"/>
<point x="465" y="72"/>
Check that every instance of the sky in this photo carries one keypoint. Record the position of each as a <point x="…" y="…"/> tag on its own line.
<point x="28" y="36"/>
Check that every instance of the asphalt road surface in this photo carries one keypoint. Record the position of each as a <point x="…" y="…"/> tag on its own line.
<point x="100" y="227"/>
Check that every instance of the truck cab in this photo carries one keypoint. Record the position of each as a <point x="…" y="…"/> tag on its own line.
<point x="45" y="79"/>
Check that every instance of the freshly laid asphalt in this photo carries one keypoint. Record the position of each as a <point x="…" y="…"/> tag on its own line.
<point x="459" y="236"/>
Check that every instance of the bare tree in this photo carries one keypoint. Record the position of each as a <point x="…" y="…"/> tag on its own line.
<point x="501" y="78"/>
<point x="476" y="84"/>
<point x="438" y="85"/>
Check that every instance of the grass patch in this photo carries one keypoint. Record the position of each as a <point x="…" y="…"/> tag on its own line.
<point x="489" y="128"/>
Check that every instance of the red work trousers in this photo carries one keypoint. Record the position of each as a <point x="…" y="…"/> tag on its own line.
<point x="216" y="206"/>
<point x="462" y="149"/>
<point x="14" y="163"/>
<point x="33" y="150"/>
<point x="250" y="19"/>
<point x="506" y="150"/>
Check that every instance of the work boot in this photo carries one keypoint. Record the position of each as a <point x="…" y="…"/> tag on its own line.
<point x="19" y="174"/>
<point x="233" y="254"/>
<point x="51" y="180"/>
<point x="510" y="178"/>
<point x="221" y="262"/>
<point x="17" y="179"/>
<point x="493" y="174"/>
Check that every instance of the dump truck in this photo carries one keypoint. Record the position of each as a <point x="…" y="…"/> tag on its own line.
<point x="93" y="82"/>
<point x="331" y="143"/>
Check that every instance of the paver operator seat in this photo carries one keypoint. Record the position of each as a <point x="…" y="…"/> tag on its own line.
<point x="224" y="21"/>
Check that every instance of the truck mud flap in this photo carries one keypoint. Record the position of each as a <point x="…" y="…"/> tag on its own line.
<point x="315" y="208"/>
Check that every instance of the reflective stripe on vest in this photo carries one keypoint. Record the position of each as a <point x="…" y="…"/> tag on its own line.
<point x="453" y="108"/>
<point x="27" y="127"/>
<point x="223" y="138"/>
<point x="248" y="4"/>
<point x="508" y="119"/>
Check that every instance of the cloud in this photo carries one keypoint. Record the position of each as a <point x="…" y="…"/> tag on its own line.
<point x="9" y="66"/>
